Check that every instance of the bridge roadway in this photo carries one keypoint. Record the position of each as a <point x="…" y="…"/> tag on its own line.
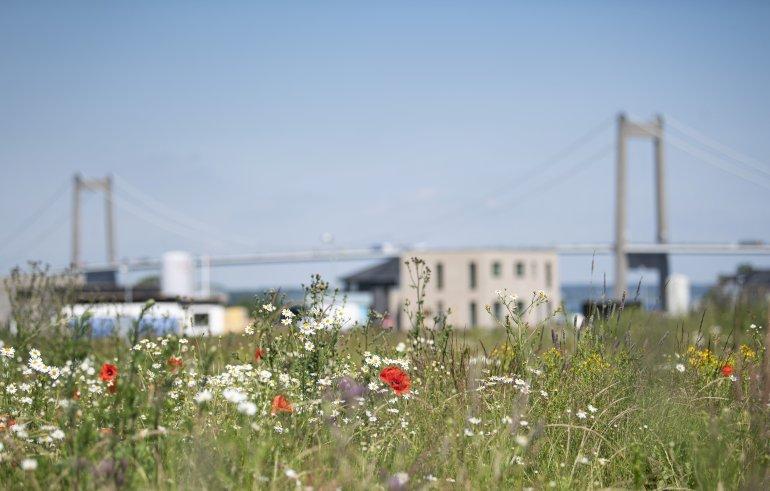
<point x="359" y="254"/>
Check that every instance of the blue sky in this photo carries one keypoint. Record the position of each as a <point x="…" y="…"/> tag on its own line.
<point x="277" y="123"/>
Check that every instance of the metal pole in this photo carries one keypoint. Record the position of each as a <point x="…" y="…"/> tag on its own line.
<point x="128" y="294"/>
<point x="76" y="184"/>
<point x="205" y="276"/>
<point x="621" y="260"/>
<point x="660" y="183"/>
<point x="660" y="201"/>
<point x="109" y="220"/>
<point x="663" y="271"/>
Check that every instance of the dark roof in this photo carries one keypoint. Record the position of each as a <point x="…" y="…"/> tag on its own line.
<point x="385" y="273"/>
<point x="291" y="295"/>
<point x="117" y="294"/>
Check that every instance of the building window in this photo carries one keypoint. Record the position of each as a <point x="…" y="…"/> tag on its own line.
<point x="472" y="275"/>
<point x="519" y="269"/>
<point x="548" y="275"/>
<point x="439" y="276"/>
<point x="498" y="309"/>
<point x="200" y="320"/>
<point x="520" y="307"/>
<point x="497" y="269"/>
<point x="472" y="318"/>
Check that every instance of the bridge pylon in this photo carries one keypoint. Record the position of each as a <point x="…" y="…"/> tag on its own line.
<point x="652" y="130"/>
<point x="79" y="184"/>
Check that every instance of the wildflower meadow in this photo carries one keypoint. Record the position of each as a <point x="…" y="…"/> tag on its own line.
<point x="625" y="400"/>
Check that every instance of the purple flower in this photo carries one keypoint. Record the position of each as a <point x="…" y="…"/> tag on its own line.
<point x="397" y="481"/>
<point x="351" y="390"/>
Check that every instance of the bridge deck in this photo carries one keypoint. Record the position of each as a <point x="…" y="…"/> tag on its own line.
<point x="727" y="249"/>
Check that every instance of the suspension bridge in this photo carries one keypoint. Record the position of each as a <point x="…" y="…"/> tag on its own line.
<point x="627" y="255"/>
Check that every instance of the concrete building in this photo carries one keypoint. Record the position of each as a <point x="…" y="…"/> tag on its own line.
<point x="465" y="281"/>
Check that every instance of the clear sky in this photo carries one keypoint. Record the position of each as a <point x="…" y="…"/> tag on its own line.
<point x="403" y="122"/>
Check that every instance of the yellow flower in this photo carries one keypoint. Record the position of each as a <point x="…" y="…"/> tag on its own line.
<point x="552" y="357"/>
<point x="505" y="354"/>
<point x="707" y="360"/>
<point x="748" y="353"/>
<point x="700" y="358"/>
<point x="594" y="362"/>
<point x="553" y="352"/>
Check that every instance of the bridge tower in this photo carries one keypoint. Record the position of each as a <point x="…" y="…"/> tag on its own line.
<point x="79" y="184"/>
<point x="652" y="130"/>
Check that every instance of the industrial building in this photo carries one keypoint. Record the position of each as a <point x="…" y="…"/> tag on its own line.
<point x="465" y="281"/>
<point x="178" y="307"/>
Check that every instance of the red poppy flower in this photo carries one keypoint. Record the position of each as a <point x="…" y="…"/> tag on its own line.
<point x="6" y="421"/>
<point x="258" y="354"/>
<point x="109" y="372"/>
<point x="397" y="379"/>
<point x="175" y="362"/>
<point x="281" y="405"/>
<point x="727" y="370"/>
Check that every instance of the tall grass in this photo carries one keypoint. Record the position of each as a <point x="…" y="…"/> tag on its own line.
<point x="633" y="400"/>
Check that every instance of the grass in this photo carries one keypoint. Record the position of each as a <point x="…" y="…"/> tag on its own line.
<point x="632" y="401"/>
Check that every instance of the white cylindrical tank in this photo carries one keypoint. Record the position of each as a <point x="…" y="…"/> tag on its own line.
<point x="678" y="294"/>
<point x="178" y="274"/>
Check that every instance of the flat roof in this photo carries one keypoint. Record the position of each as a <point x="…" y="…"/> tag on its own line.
<point x="484" y="249"/>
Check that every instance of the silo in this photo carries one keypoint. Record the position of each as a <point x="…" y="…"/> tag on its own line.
<point x="178" y="274"/>
<point x="678" y="294"/>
